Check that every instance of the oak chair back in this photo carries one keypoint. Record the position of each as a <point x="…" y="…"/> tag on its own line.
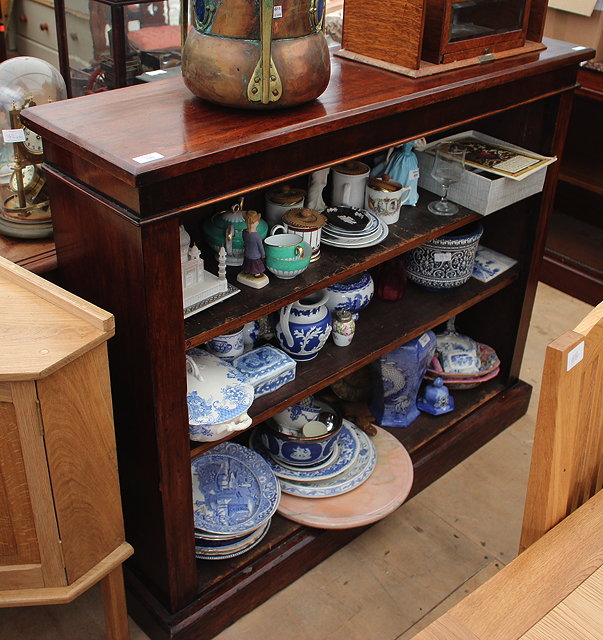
<point x="567" y="456"/>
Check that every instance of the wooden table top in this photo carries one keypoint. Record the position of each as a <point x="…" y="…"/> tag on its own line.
<point x="552" y="591"/>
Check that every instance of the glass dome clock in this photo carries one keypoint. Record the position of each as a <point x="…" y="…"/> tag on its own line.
<point x="25" y="82"/>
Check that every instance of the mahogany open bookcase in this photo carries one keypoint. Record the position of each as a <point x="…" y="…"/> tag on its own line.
<point x="117" y="241"/>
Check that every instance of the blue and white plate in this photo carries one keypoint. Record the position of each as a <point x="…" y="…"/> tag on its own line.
<point x="234" y="490"/>
<point x="347" y="444"/>
<point x="343" y="482"/>
<point x="251" y="541"/>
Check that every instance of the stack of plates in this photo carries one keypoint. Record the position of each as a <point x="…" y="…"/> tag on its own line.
<point x="351" y="463"/>
<point x="489" y="368"/>
<point x="351" y="228"/>
<point x="235" y="494"/>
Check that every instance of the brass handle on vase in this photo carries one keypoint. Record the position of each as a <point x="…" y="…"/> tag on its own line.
<point x="315" y="20"/>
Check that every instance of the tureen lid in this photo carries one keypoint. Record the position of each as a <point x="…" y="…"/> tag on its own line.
<point x="304" y="218"/>
<point x="216" y="391"/>
<point x="286" y="194"/>
<point x="351" y="168"/>
<point x="384" y="183"/>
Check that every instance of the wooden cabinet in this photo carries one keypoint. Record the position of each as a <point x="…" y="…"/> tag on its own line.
<point x="117" y="235"/>
<point x="573" y="259"/>
<point x="61" y="526"/>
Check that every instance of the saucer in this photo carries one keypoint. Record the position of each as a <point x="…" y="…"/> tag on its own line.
<point x="347" y="444"/>
<point x="360" y="243"/>
<point x="343" y="482"/>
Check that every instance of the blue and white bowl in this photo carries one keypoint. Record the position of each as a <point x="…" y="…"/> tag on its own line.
<point x="296" y="449"/>
<point x="352" y="294"/>
<point x="445" y="262"/>
<point x="218" y="397"/>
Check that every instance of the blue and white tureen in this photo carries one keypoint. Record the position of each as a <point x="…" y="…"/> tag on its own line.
<point x="218" y="397"/>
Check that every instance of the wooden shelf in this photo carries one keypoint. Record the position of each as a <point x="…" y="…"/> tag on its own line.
<point x="415" y="227"/>
<point x="382" y="327"/>
<point x="290" y="549"/>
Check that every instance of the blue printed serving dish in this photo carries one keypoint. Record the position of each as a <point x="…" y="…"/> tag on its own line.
<point x="218" y="397"/>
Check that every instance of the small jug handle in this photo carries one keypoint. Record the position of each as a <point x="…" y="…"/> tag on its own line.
<point x="406" y="191"/>
<point x="278" y="228"/>
<point x="284" y="318"/>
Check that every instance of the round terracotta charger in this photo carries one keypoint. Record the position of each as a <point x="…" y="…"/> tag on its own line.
<point x="384" y="491"/>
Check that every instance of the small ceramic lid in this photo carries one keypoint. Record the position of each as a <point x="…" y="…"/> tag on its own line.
<point x="352" y="168"/>
<point x="286" y="195"/>
<point x="343" y="315"/>
<point x="304" y="218"/>
<point x="384" y="183"/>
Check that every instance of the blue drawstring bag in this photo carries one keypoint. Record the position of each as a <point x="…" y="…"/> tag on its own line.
<point x="401" y="166"/>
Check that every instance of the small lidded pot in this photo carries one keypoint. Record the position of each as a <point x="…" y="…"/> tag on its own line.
<point x="306" y="223"/>
<point x="344" y="328"/>
<point x="280" y="200"/>
<point x="384" y="197"/>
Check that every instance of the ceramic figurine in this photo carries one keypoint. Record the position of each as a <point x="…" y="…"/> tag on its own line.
<point x="316" y="185"/>
<point x="397" y="380"/>
<point x="435" y="398"/>
<point x="344" y="328"/>
<point x="253" y="261"/>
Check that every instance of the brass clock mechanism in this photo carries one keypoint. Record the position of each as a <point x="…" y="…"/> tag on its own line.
<point x="29" y="202"/>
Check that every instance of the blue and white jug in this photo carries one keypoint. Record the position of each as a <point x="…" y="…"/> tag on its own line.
<point x="304" y="326"/>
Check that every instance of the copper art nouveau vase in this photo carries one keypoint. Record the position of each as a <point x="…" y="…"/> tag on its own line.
<point x="257" y="54"/>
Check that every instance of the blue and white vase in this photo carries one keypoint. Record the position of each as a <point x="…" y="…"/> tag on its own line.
<point x="397" y="379"/>
<point x="304" y="326"/>
<point x="352" y="294"/>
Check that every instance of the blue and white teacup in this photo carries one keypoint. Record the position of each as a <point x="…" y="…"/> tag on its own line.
<point x="227" y="346"/>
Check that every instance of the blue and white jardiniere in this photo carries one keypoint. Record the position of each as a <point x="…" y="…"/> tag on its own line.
<point x="304" y="326"/>
<point x="352" y="294"/>
<point x="447" y="261"/>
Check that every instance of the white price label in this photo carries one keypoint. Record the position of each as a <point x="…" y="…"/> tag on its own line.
<point x="149" y="157"/>
<point x="424" y="339"/>
<point x="575" y="356"/>
<point x="277" y="11"/>
<point x="13" y="135"/>
<point x="442" y="257"/>
<point x="413" y="174"/>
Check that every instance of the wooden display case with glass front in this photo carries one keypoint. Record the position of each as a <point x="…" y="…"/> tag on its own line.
<point x="423" y="37"/>
<point x="117" y="232"/>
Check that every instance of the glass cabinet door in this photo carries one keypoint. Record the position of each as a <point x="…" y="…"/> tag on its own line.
<point x="479" y="18"/>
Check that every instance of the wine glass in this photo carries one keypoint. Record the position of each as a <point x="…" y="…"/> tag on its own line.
<point x="448" y="168"/>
